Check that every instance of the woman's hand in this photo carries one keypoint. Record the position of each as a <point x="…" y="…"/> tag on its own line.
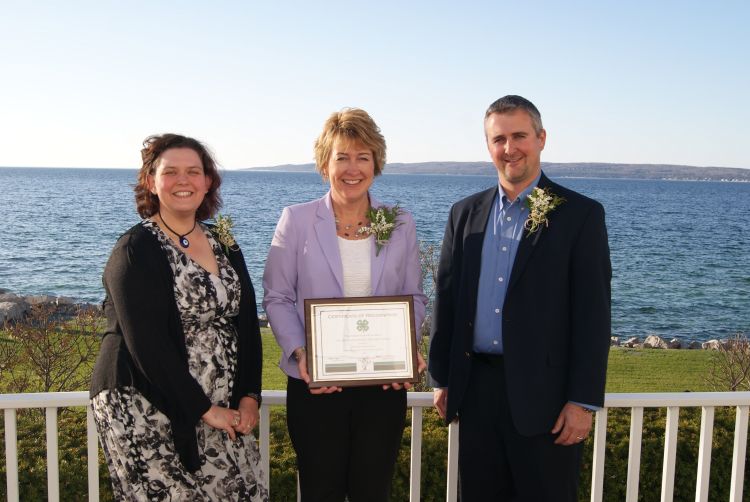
<point x="225" y="419"/>
<point x="249" y="415"/>
<point x="421" y="366"/>
<point x="301" y="356"/>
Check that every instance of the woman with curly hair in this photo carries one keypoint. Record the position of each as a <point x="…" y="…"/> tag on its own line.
<point x="176" y="387"/>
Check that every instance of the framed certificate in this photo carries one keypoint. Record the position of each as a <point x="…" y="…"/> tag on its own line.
<point x="361" y="341"/>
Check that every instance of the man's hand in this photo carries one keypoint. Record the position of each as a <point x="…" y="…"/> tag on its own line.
<point x="440" y="400"/>
<point x="573" y="425"/>
<point x="301" y="357"/>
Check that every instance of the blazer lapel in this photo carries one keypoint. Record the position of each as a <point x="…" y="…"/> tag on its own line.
<point x="325" y="229"/>
<point x="527" y="245"/>
<point x="377" y="259"/>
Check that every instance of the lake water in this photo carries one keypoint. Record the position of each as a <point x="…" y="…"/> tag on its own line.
<point x="680" y="250"/>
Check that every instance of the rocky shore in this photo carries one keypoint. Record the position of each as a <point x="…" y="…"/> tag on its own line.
<point x="657" y="342"/>
<point x="15" y="307"/>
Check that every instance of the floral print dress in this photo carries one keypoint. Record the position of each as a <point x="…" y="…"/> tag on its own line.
<point x="136" y="437"/>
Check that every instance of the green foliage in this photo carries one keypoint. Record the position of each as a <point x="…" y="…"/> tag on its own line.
<point x="283" y="459"/>
<point x="434" y="467"/>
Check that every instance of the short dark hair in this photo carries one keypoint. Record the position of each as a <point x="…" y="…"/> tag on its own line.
<point x="511" y="103"/>
<point x="154" y="147"/>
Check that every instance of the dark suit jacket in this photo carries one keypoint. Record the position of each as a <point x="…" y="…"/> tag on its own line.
<point x="144" y="345"/>
<point x="556" y="316"/>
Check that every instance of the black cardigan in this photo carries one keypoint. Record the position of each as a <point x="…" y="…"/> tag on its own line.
<point x="144" y="345"/>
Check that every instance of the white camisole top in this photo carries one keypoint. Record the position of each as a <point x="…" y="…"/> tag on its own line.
<point x="355" y="259"/>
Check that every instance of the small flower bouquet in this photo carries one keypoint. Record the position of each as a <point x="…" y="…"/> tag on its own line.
<point x="540" y="203"/>
<point x="382" y="224"/>
<point x="222" y="230"/>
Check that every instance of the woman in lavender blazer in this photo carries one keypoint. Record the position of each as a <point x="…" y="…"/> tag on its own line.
<point x="346" y="439"/>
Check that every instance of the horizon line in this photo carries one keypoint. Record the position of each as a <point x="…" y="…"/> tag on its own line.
<point x="276" y="166"/>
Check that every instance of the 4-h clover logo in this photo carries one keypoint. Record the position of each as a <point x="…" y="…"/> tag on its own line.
<point x="363" y="325"/>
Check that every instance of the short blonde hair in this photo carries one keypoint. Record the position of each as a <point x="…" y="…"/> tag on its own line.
<point x="351" y="124"/>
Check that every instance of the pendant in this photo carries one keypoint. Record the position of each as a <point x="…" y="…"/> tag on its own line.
<point x="184" y="242"/>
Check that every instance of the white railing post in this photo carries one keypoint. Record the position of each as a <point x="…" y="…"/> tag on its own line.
<point x="451" y="489"/>
<point x="634" y="454"/>
<point x="597" y="462"/>
<point x="670" y="453"/>
<point x="11" y="455"/>
<point x="92" y="451"/>
<point x="738" y="454"/>
<point x="264" y="444"/>
<point x="704" y="454"/>
<point x="53" y="474"/>
<point x="415" y="467"/>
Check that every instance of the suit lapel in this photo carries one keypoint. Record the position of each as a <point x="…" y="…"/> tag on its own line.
<point x="527" y="245"/>
<point x="325" y="229"/>
<point x="377" y="260"/>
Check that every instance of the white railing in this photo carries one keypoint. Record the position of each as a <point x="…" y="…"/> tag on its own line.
<point x="707" y="401"/>
<point x="50" y="402"/>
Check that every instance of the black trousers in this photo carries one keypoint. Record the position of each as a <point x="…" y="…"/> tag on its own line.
<point x="346" y="442"/>
<point x="495" y="462"/>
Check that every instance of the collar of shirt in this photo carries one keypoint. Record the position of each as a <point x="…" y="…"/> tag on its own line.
<point x="503" y="202"/>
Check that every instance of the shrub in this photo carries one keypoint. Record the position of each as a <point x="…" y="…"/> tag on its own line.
<point x="44" y="353"/>
<point x="730" y="365"/>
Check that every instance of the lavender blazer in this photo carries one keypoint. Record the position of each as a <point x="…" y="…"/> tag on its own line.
<point x="304" y="262"/>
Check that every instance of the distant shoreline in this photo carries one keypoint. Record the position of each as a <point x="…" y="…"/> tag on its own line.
<point x="573" y="170"/>
<point x="386" y="173"/>
<point x="581" y="170"/>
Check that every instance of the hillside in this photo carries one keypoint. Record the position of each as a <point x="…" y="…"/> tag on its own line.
<point x="561" y="170"/>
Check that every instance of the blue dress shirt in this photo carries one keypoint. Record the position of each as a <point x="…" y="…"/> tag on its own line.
<point x="504" y="231"/>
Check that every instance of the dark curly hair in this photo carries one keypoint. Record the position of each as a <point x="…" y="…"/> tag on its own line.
<point x="146" y="202"/>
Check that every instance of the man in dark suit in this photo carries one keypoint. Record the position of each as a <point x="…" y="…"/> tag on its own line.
<point x="521" y="322"/>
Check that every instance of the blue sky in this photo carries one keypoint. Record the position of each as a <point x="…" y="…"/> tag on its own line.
<point x="83" y="82"/>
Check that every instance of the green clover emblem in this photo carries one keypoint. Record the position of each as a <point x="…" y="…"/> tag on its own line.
<point x="363" y="325"/>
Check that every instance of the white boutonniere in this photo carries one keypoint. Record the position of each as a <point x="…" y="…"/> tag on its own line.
<point x="382" y="224"/>
<point x="540" y="203"/>
<point x="222" y="230"/>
